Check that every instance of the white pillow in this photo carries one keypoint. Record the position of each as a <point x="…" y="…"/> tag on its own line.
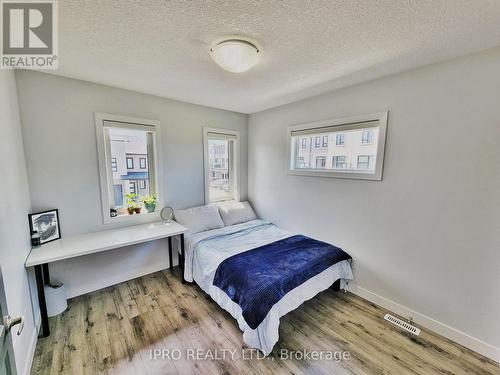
<point x="234" y="212"/>
<point x="199" y="219"/>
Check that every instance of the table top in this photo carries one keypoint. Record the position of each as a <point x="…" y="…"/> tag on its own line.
<point x="90" y="243"/>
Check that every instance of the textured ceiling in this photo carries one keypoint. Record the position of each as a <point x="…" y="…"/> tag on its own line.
<point x="309" y="47"/>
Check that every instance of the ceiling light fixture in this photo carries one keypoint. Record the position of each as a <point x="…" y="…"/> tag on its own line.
<point x="235" y="55"/>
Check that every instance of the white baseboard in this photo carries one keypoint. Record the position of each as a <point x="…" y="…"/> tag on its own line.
<point x="451" y="333"/>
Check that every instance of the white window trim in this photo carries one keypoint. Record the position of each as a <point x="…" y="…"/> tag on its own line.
<point x="236" y="165"/>
<point x="346" y="123"/>
<point x="104" y="159"/>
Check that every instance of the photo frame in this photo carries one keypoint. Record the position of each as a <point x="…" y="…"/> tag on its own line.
<point x="47" y="224"/>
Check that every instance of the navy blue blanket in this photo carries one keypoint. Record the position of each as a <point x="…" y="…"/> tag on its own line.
<point x="256" y="279"/>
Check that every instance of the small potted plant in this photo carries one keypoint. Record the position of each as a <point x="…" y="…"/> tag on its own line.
<point x="149" y="202"/>
<point x="132" y="204"/>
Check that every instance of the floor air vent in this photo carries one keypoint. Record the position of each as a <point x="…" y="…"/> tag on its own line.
<point x="402" y="324"/>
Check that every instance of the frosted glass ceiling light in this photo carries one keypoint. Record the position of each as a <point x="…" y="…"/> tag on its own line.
<point x="235" y="55"/>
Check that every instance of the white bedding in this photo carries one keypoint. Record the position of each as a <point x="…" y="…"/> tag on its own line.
<point x="204" y="252"/>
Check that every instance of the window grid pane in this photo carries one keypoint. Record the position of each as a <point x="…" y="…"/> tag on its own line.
<point x="219" y="169"/>
<point x="130" y="151"/>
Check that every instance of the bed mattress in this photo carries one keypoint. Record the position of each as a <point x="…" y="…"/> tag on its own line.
<point x="205" y="251"/>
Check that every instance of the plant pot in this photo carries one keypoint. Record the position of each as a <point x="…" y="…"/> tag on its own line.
<point x="130" y="210"/>
<point x="150" y="207"/>
<point x="137" y="210"/>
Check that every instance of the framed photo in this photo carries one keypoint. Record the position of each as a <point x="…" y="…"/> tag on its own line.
<point x="47" y="224"/>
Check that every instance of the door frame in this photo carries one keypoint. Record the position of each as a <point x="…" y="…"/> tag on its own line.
<point x="6" y="349"/>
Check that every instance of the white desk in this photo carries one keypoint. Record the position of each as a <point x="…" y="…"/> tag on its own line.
<point x="91" y="243"/>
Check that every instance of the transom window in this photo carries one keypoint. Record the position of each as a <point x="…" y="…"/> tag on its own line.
<point x="127" y="166"/>
<point x="362" y="139"/>
<point x="221" y="149"/>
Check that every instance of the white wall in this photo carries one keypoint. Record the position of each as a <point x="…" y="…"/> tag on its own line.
<point x="57" y="116"/>
<point x="427" y="237"/>
<point x="14" y="230"/>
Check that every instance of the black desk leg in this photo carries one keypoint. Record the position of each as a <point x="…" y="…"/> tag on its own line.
<point x="170" y="265"/>
<point x="46" y="274"/>
<point x="181" y="259"/>
<point x="41" y="299"/>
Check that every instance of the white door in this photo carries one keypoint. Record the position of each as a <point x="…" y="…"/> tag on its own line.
<point x="7" y="365"/>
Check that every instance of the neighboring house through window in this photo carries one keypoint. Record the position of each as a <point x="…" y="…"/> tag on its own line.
<point x="346" y="148"/>
<point x="130" y="168"/>
<point x="221" y="159"/>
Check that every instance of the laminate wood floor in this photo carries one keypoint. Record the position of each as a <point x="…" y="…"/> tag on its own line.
<point x="116" y="330"/>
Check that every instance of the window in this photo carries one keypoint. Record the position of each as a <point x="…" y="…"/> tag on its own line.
<point x="317" y="142"/>
<point x="340" y="139"/>
<point x="120" y="141"/>
<point x="325" y="141"/>
<point x="339" y="162"/>
<point x="364" y="161"/>
<point x="221" y="159"/>
<point x="350" y="133"/>
<point x="132" y="189"/>
<point x="114" y="165"/>
<point x="320" y="162"/>
<point x="367" y="137"/>
<point x="130" y="163"/>
<point x="304" y="142"/>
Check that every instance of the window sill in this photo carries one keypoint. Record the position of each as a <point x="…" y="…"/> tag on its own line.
<point x="336" y="174"/>
<point x="144" y="217"/>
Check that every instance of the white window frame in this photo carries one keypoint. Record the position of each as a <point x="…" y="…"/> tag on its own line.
<point x="106" y="175"/>
<point x="235" y="178"/>
<point x="341" y="124"/>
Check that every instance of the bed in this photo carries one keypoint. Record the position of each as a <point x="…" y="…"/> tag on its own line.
<point x="258" y="272"/>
